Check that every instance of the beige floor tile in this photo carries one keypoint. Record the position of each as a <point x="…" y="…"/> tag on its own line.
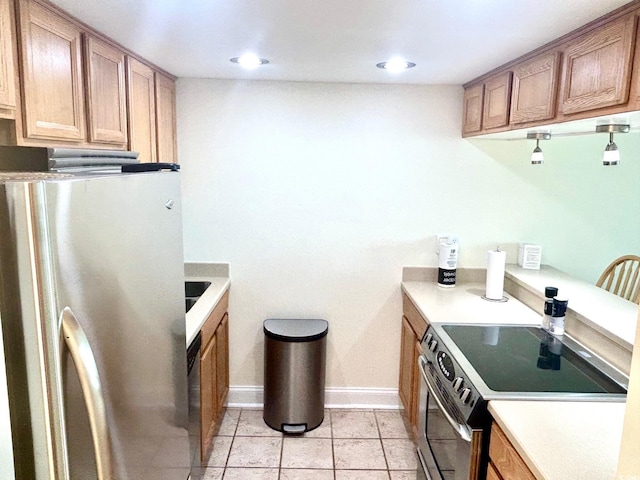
<point x="229" y="422"/>
<point x="306" y="474"/>
<point x="219" y="452"/>
<point x="391" y="424"/>
<point x="251" y="474"/>
<point x="251" y="424"/>
<point x="300" y="452"/>
<point x="403" y="475"/>
<point x="354" y="424"/>
<point x="360" y="454"/>
<point x="255" y="452"/>
<point x="362" y="475"/>
<point x="400" y="453"/>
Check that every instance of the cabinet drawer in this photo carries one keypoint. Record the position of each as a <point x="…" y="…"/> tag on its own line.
<point x="504" y="457"/>
<point x="214" y="319"/>
<point x="418" y="322"/>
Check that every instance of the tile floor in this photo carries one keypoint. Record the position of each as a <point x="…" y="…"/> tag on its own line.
<point x="349" y="445"/>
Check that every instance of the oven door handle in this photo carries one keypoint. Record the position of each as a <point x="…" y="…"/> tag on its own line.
<point x="463" y="431"/>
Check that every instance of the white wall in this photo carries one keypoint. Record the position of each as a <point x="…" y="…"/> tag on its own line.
<point x="318" y="194"/>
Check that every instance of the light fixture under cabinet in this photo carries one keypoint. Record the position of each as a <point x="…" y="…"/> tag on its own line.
<point x="611" y="155"/>
<point x="537" y="158"/>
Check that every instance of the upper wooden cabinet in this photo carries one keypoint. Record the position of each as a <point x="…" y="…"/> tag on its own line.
<point x="166" y="119"/>
<point x="497" y="98"/>
<point x="472" y="109"/>
<point x="7" y="60"/>
<point x="106" y="95"/>
<point x="63" y="84"/>
<point x="596" y="70"/>
<point x="53" y="98"/>
<point x="142" y="109"/>
<point x="591" y="72"/>
<point x="535" y="88"/>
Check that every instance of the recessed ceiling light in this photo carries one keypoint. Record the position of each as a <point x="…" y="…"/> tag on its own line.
<point x="396" y="65"/>
<point x="249" y="60"/>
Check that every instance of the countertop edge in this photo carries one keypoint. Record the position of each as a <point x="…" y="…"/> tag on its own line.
<point x="195" y="318"/>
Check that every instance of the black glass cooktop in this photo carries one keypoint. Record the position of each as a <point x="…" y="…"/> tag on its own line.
<point x="528" y="359"/>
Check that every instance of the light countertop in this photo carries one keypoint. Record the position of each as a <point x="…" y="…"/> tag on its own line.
<point x="464" y="304"/>
<point x="218" y="275"/>
<point x="563" y="440"/>
<point x="609" y="314"/>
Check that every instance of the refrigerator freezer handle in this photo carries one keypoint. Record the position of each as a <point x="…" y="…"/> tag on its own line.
<point x="85" y="363"/>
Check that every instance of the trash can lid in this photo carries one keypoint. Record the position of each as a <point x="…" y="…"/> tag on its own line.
<point x="295" y="330"/>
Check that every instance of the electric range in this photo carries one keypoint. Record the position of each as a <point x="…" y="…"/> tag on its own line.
<point x="465" y="366"/>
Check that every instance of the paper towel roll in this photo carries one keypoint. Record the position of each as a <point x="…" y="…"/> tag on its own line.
<point x="496" y="261"/>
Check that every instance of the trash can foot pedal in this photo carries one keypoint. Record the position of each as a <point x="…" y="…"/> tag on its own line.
<point x="299" y="428"/>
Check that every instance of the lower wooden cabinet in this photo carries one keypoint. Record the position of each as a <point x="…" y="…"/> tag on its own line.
<point x="504" y="462"/>
<point x="413" y="328"/>
<point x="409" y="375"/>
<point x="214" y="372"/>
<point x="208" y="400"/>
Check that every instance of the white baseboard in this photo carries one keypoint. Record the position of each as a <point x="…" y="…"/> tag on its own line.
<point x="244" y="396"/>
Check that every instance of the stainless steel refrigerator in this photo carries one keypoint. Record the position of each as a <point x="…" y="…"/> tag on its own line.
<point x="93" y="326"/>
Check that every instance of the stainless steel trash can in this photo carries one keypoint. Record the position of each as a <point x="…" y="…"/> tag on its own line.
<point x="294" y="370"/>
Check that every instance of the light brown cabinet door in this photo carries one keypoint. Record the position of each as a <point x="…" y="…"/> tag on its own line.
<point x="208" y="404"/>
<point x="7" y="61"/>
<point x="472" y="109"/>
<point x="142" y="110"/>
<point x="596" y="69"/>
<point x="53" y="100"/>
<point x="492" y="474"/>
<point x="222" y="366"/>
<point x="408" y="370"/>
<point x="106" y="95"/>
<point x="535" y="88"/>
<point x="166" y="119"/>
<point x="497" y="98"/>
<point x="507" y="462"/>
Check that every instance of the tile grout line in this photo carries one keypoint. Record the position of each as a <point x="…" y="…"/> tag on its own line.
<point x="384" y="453"/>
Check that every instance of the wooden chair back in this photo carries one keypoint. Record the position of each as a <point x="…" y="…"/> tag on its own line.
<point x="622" y="278"/>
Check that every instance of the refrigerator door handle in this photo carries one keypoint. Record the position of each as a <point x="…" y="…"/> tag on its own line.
<point x="85" y="364"/>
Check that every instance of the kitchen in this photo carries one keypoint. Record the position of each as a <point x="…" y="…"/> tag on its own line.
<point x="317" y="194"/>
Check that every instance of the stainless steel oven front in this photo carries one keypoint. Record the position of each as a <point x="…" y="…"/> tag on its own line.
<point x="451" y="421"/>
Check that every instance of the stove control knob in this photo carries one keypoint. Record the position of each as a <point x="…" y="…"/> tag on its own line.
<point x="465" y="396"/>
<point x="433" y="345"/>
<point x="457" y="384"/>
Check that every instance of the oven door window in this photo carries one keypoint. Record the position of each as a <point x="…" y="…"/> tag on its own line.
<point x="452" y="455"/>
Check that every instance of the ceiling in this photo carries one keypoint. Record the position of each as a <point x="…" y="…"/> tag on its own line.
<point x="451" y="41"/>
